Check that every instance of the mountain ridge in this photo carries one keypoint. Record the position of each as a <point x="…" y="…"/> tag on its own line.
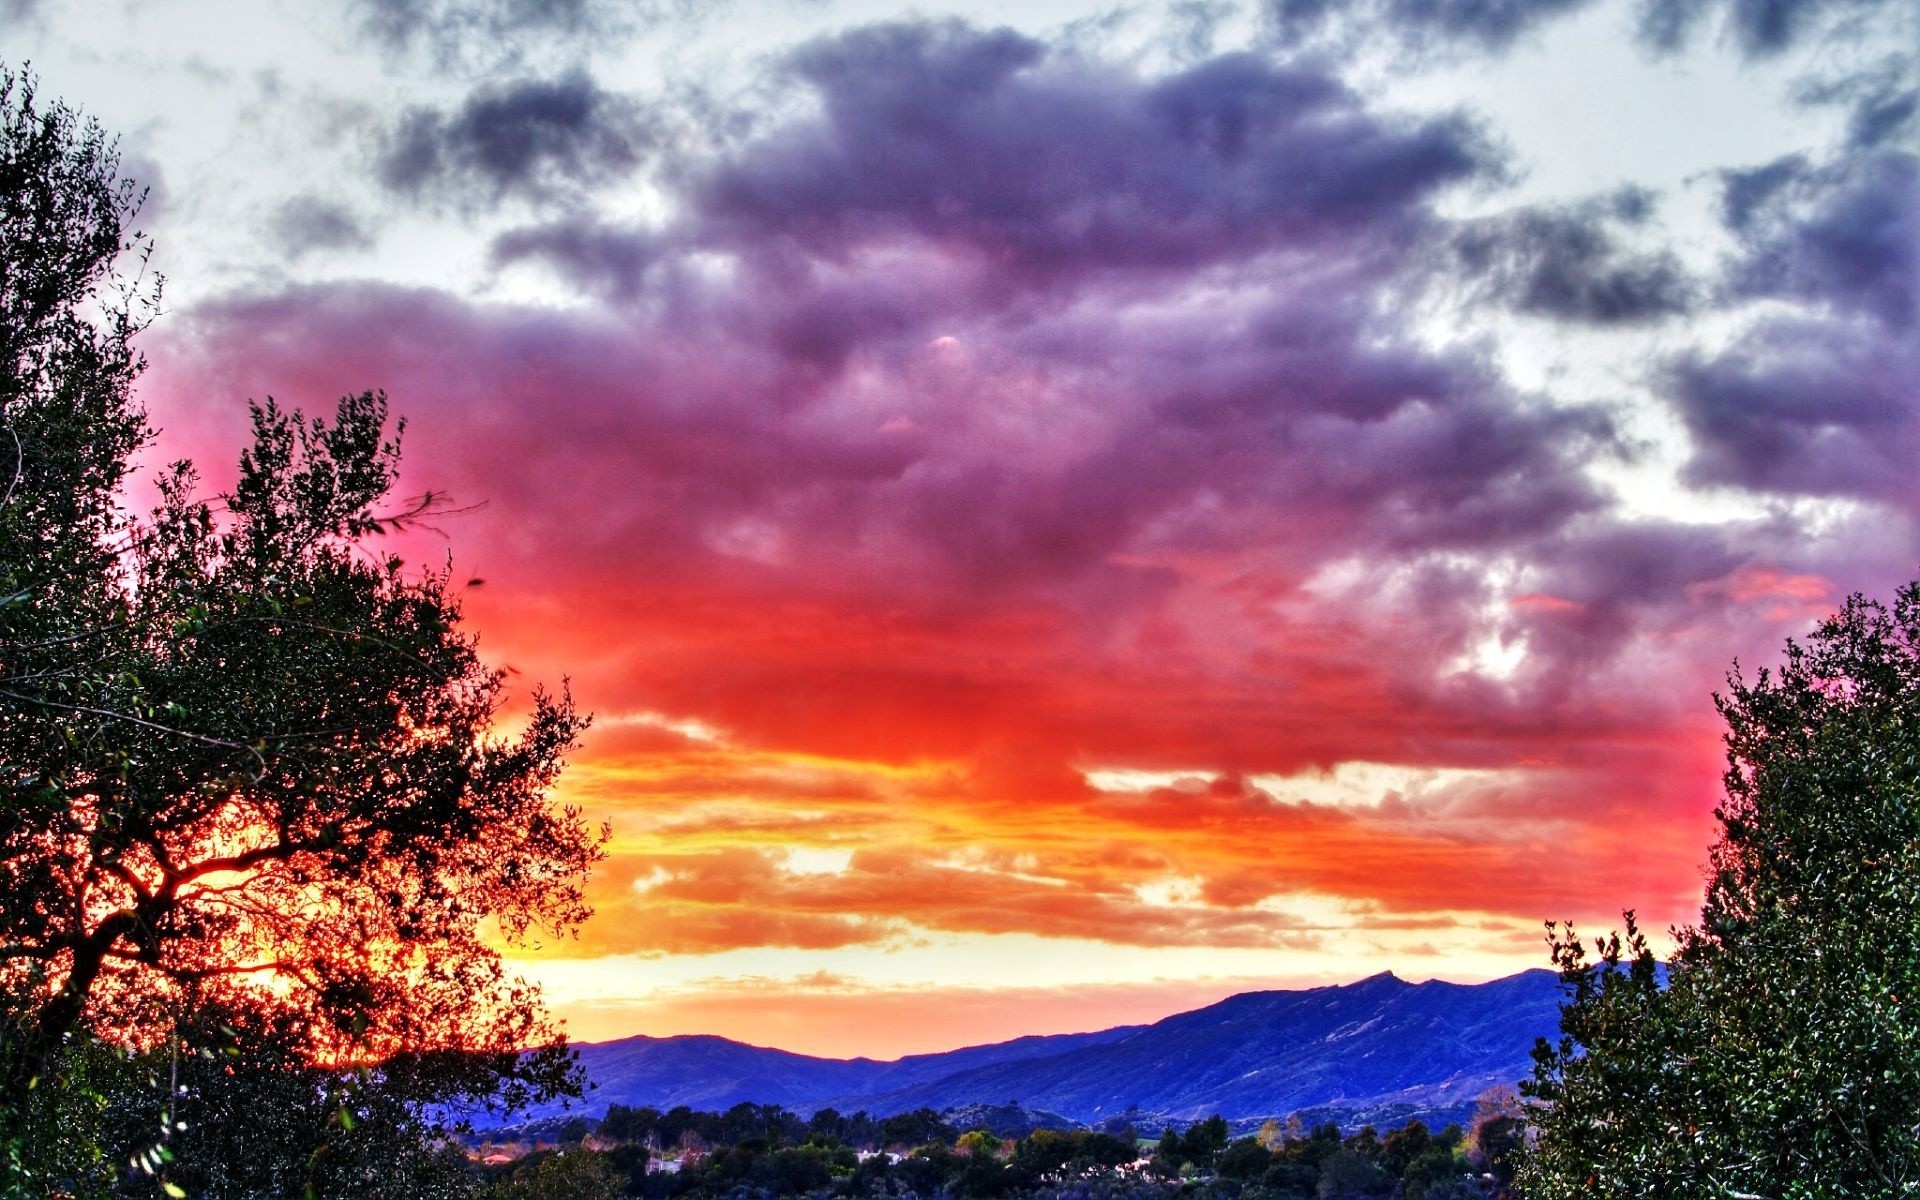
<point x="1378" y="1043"/>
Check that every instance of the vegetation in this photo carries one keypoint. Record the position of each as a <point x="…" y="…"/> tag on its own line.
<point x="756" y="1152"/>
<point x="252" y="816"/>
<point x="1778" y="1054"/>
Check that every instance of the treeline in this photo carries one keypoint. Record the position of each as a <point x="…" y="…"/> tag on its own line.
<point x="758" y="1152"/>
<point x="683" y="1126"/>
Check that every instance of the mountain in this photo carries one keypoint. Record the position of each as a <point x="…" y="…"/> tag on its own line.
<point x="1379" y="1045"/>
<point x="714" y="1073"/>
<point x="1375" y="1043"/>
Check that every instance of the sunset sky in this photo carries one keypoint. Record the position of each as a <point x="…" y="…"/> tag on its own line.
<point x="1064" y="511"/>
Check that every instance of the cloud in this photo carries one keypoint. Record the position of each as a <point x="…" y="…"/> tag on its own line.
<point x="1844" y="234"/>
<point x="1215" y="863"/>
<point x="610" y="260"/>
<point x="1806" y="406"/>
<point x="1422" y="27"/>
<point x="1568" y="263"/>
<point x="1884" y="115"/>
<point x="308" y="224"/>
<point x="1760" y="28"/>
<point x="978" y="142"/>
<point x="1815" y="396"/>
<point x="950" y="214"/>
<point x="536" y="139"/>
<point x="490" y="35"/>
<point x="1193" y="26"/>
<point x="1881" y="98"/>
<point x="980" y="416"/>
<point x="728" y="899"/>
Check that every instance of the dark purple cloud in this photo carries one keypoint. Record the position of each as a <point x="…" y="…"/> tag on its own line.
<point x="1749" y="190"/>
<point x="1568" y="262"/>
<point x="958" y="186"/>
<point x="1615" y="584"/>
<point x="1820" y="394"/>
<point x="1807" y="406"/>
<point x="533" y="138"/>
<point x="1884" y="116"/>
<point x="976" y="140"/>
<point x="981" y="321"/>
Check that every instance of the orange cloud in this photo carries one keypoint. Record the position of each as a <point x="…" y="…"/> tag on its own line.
<point x="718" y="864"/>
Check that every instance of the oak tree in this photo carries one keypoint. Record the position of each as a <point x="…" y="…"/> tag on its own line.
<point x="249" y="759"/>
<point x="1778" y="1055"/>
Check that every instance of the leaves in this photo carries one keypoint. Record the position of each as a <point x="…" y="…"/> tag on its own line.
<point x="1779" y="1058"/>
<point x="247" y="760"/>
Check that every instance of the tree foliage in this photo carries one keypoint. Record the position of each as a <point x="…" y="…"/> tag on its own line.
<point x="684" y="1155"/>
<point x="1779" y="1054"/>
<point x="248" y="758"/>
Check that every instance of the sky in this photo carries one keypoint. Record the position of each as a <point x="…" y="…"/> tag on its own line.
<point x="1066" y="511"/>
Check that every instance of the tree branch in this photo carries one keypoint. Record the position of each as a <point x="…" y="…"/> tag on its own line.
<point x="188" y="734"/>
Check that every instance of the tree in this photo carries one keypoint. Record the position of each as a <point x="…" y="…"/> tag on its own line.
<point x="1403" y="1145"/>
<point x="568" y="1175"/>
<point x="1350" y="1175"/>
<point x="1244" y="1159"/>
<point x="1780" y="1055"/>
<point x="67" y="427"/>
<point x="1204" y="1140"/>
<point x="250" y="1115"/>
<point x="977" y="1143"/>
<point x="247" y="759"/>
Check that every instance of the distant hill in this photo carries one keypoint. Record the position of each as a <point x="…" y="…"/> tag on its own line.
<point x="1380" y="1045"/>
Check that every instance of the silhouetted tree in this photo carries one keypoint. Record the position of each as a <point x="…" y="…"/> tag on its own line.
<point x="246" y="757"/>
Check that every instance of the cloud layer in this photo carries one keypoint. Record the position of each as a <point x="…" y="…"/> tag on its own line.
<point x="1000" y="483"/>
